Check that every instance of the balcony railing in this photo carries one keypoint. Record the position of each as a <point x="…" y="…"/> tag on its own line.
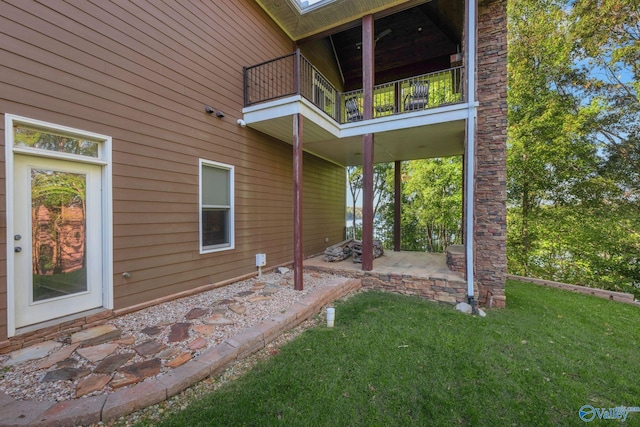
<point x="293" y="74"/>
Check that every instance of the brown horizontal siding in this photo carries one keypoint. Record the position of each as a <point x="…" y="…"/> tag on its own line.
<point x="142" y="72"/>
<point x="324" y="205"/>
<point x="320" y="53"/>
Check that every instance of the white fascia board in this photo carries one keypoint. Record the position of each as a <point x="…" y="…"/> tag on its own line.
<point x="272" y="109"/>
<point x="444" y="114"/>
<point x="299" y="105"/>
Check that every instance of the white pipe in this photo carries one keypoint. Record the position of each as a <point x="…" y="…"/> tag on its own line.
<point x="470" y="144"/>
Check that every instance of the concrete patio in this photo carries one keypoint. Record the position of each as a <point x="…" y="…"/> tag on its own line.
<point x="412" y="273"/>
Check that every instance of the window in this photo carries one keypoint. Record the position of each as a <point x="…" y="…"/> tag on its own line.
<point x="304" y="6"/>
<point x="216" y="207"/>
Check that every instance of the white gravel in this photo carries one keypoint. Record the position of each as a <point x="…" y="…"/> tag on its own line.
<point x="23" y="381"/>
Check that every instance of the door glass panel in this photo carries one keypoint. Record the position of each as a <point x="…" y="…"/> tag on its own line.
<point x="58" y="230"/>
<point x="45" y="140"/>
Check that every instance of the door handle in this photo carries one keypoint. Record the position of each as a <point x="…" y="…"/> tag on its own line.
<point x="17" y="249"/>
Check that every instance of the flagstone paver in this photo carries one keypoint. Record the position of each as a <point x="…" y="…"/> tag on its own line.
<point x="179" y="332"/>
<point x="33" y="352"/>
<point x="69" y="362"/>
<point x="96" y="353"/>
<point x="60" y="355"/>
<point x="167" y="353"/>
<point x="180" y="359"/>
<point x="143" y="369"/>
<point x="149" y="348"/>
<point x="218" y="319"/>
<point x="238" y="308"/>
<point x="197" y="344"/>
<point x="96" y="335"/>
<point x="259" y="298"/>
<point x="152" y="330"/>
<point x="206" y="330"/>
<point x="128" y="340"/>
<point x="135" y="373"/>
<point x="112" y="363"/>
<point x="196" y="313"/>
<point x="92" y="383"/>
<point x="65" y="374"/>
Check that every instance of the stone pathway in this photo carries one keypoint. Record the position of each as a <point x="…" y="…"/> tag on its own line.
<point x="91" y="354"/>
<point x="101" y="365"/>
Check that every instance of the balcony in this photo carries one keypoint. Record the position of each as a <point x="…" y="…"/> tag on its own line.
<point x="417" y="117"/>
<point x="293" y="74"/>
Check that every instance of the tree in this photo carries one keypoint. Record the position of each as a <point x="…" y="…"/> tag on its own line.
<point x="381" y="192"/>
<point x="431" y="212"/>
<point x="434" y="191"/>
<point x="573" y="117"/>
<point x="607" y="40"/>
<point x="354" y="183"/>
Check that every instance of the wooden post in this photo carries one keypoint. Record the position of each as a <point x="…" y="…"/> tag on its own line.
<point x="397" y="206"/>
<point x="298" y="252"/>
<point x="367" y="143"/>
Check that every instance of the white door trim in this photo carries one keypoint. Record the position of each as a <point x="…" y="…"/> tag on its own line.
<point x="103" y="159"/>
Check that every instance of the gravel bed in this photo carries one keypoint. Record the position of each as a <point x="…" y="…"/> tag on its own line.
<point x="24" y="381"/>
<point x="154" y="413"/>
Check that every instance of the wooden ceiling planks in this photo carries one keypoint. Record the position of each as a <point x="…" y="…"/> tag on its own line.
<point x="412" y="35"/>
<point x="334" y="14"/>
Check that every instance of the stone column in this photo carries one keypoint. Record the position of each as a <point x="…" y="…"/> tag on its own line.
<point x="490" y="223"/>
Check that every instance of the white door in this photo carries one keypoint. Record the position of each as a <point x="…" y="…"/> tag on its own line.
<point x="58" y="238"/>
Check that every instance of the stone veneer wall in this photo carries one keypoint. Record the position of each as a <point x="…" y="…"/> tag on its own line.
<point x="456" y="260"/>
<point x="438" y="289"/>
<point x="490" y="224"/>
<point x="56" y="331"/>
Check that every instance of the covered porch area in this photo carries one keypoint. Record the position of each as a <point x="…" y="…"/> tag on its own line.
<point x="428" y="275"/>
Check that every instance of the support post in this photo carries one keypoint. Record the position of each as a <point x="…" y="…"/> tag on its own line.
<point x="367" y="143"/>
<point x="298" y="255"/>
<point x="397" y="206"/>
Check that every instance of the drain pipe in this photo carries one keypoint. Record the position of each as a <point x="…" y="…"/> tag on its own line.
<point x="470" y="148"/>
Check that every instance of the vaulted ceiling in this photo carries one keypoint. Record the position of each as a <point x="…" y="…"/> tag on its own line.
<point x="419" y="38"/>
<point x="411" y="34"/>
<point x="299" y="24"/>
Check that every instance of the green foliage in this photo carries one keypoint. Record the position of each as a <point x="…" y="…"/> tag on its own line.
<point x="33" y="138"/>
<point x="431" y="204"/>
<point x="398" y="360"/>
<point x="433" y="188"/>
<point x="573" y="152"/>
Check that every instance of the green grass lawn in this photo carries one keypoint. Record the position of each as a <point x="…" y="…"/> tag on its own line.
<point x="393" y="360"/>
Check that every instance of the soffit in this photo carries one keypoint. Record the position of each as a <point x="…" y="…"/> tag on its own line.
<point x="321" y="19"/>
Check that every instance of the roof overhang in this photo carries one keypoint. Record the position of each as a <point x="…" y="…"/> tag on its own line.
<point x="302" y="22"/>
